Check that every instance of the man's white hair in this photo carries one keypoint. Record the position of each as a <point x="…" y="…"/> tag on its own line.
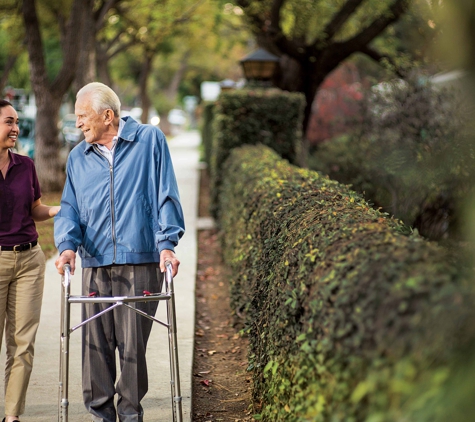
<point x="102" y="97"/>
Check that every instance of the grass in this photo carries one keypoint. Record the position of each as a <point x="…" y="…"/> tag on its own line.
<point x="45" y="228"/>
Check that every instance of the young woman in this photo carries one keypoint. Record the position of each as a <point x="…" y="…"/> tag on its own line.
<point x="22" y="262"/>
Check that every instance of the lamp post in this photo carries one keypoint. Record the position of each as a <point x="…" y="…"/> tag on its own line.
<point x="259" y="66"/>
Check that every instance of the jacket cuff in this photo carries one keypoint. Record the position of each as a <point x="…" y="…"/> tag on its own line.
<point x="166" y="244"/>
<point x="66" y="245"/>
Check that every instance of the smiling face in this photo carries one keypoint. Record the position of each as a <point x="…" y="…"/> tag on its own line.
<point x="8" y="127"/>
<point x="92" y="124"/>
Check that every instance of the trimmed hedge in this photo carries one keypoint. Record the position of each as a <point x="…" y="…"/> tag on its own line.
<point x="206" y="131"/>
<point x="350" y="318"/>
<point x="271" y="116"/>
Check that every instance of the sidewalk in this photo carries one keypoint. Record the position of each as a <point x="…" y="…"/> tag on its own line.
<point x="42" y="399"/>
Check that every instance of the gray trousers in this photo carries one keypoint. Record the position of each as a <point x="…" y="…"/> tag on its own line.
<point x="120" y="329"/>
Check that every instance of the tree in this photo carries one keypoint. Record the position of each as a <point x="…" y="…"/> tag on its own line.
<point x="162" y="48"/>
<point x="95" y="20"/>
<point x="313" y="38"/>
<point x="49" y="93"/>
<point x="145" y="28"/>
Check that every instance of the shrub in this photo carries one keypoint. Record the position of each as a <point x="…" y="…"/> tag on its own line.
<point x="349" y="317"/>
<point x="411" y="156"/>
<point x="206" y="131"/>
<point x="271" y="117"/>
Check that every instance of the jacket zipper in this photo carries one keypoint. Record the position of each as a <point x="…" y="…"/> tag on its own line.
<point x="111" y="192"/>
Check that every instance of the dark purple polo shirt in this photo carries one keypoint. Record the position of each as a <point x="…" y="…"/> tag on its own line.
<point x="17" y="193"/>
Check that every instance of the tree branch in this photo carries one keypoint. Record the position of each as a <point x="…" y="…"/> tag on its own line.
<point x="340" y="18"/>
<point x="122" y="48"/>
<point x="106" y="46"/>
<point x="359" y="41"/>
<point x="256" y="20"/>
<point x="99" y="15"/>
<point x="243" y="3"/>
<point x="34" y="43"/>
<point x="188" y="13"/>
<point x="11" y="60"/>
<point x="74" y="33"/>
<point x="275" y="16"/>
<point x="379" y="57"/>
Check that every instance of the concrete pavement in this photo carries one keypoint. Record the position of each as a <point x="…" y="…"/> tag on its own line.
<point x="42" y="399"/>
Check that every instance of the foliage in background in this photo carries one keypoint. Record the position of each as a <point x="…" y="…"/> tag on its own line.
<point x="313" y="38"/>
<point x="144" y="50"/>
<point x="336" y="105"/>
<point x="268" y="116"/>
<point x="349" y="319"/>
<point x="411" y="155"/>
<point x="166" y="43"/>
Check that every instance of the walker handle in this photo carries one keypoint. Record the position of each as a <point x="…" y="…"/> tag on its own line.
<point x="66" y="275"/>
<point x="168" y="272"/>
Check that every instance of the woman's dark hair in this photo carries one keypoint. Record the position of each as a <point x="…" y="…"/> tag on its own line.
<point x="5" y="103"/>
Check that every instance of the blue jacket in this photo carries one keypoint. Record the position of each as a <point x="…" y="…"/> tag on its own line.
<point x="121" y="214"/>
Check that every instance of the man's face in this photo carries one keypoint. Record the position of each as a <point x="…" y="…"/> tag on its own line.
<point x="91" y="123"/>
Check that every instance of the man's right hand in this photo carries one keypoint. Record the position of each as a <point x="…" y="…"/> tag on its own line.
<point x="67" y="257"/>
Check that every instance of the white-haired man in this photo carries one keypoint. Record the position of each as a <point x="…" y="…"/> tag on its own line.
<point x="121" y="210"/>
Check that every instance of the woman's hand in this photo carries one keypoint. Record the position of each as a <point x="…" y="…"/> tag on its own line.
<point x="41" y="212"/>
<point x="54" y="210"/>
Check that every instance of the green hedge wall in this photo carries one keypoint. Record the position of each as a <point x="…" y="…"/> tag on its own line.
<point x="271" y="117"/>
<point x="207" y="130"/>
<point x="350" y="317"/>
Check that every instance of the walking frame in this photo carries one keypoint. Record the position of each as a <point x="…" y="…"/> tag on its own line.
<point x="116" y="301"/>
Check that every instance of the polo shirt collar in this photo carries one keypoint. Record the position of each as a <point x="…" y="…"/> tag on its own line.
<point x="14" y="158"/>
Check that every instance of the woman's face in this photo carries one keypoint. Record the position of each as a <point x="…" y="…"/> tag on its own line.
<point x="8" y="127"/>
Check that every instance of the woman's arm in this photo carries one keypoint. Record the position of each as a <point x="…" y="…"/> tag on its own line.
<point x="41" y="212"/>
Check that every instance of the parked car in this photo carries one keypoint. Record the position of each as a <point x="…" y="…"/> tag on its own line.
<point x="71" y="134"/>
<point x="26" y="138"/>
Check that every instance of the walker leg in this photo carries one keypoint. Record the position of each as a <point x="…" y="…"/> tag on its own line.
<point x="173" y="351"/>
<point x="66" y="331"/>
<point x="64" y="351"/>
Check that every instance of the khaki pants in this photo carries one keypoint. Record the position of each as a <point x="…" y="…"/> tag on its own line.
<point x="21" y="293"/>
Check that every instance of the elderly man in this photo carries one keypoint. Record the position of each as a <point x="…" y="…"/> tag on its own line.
<point x="121" y="209"/>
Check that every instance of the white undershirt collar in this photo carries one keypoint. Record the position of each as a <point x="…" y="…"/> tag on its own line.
<point x="109" y="153"/>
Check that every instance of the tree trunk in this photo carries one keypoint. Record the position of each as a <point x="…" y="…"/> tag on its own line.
<point x="143" y="82"/>
<point x="86" y="69"/>
<point x="49" y="95"/>
<point x="11" y="60"/>
<point x="172" y="90"/>
<point x="48" y="161"/>
<point x="288" y="74"/>
<point x="305" y="78"/>
<point x="102" y="61"/>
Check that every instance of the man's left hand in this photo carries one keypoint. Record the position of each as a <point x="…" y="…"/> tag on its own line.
<point x="167" y="255"/>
